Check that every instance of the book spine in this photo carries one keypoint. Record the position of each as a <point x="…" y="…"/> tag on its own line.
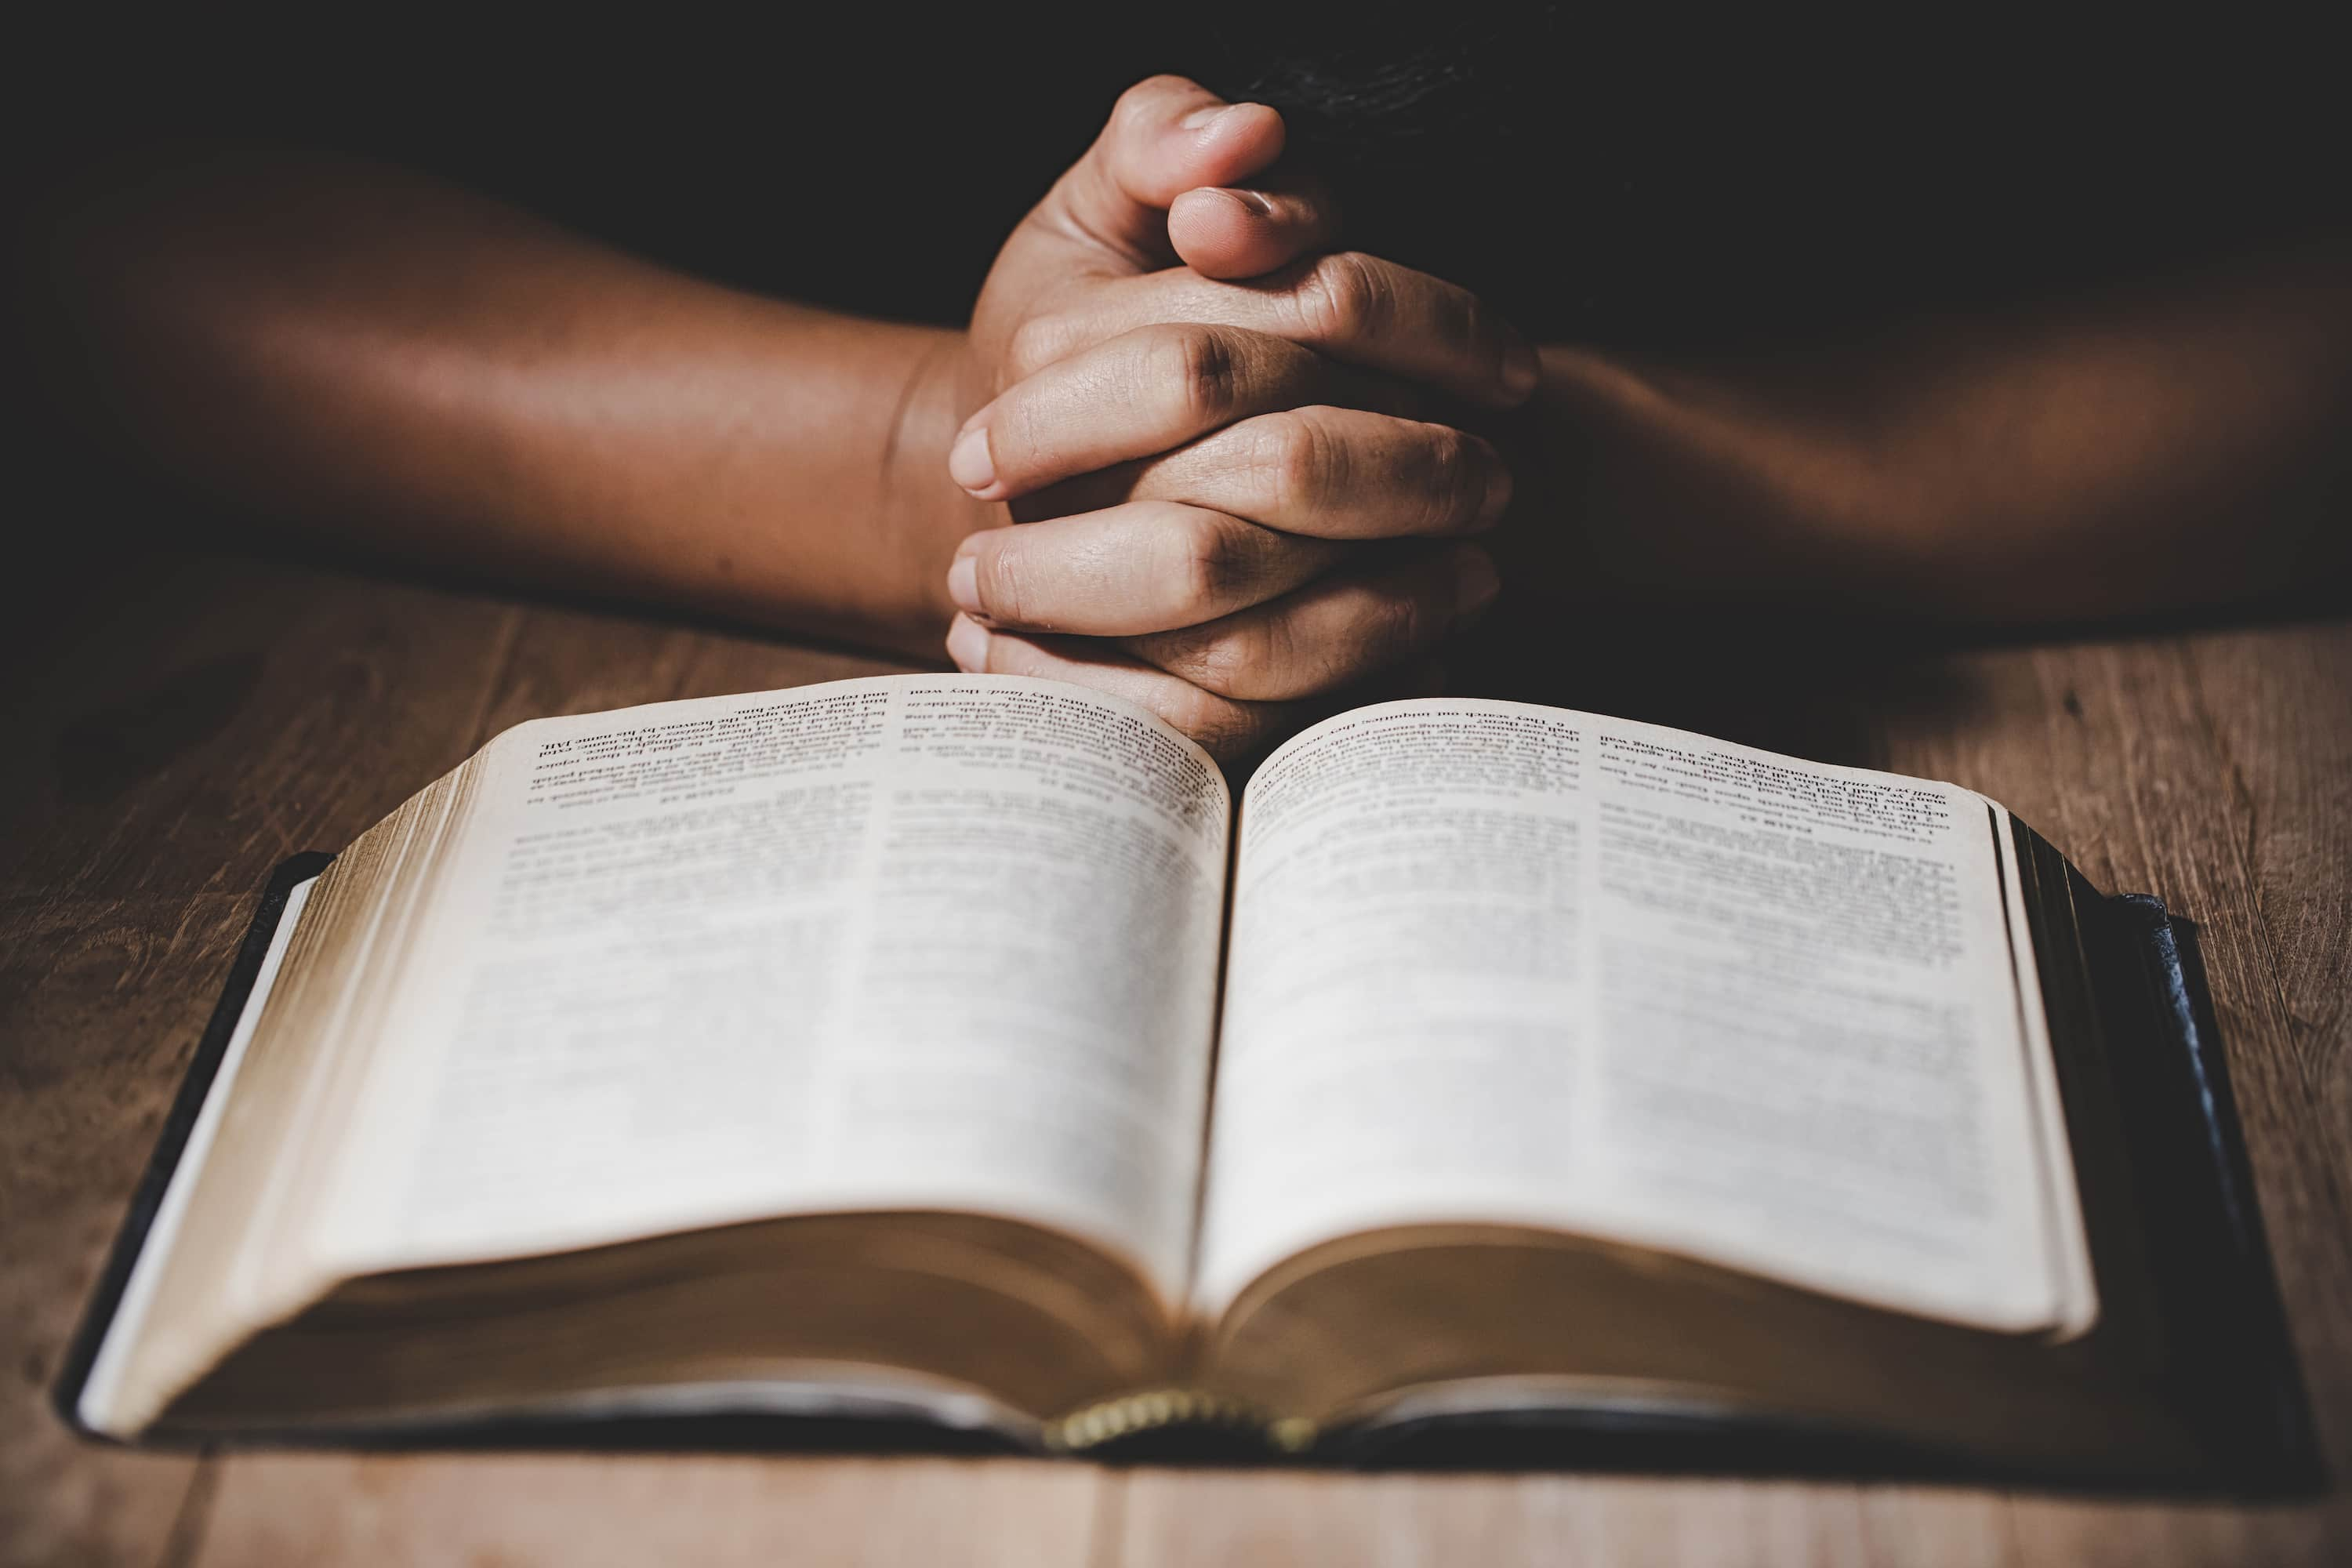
<point x="1108" y="1421"/>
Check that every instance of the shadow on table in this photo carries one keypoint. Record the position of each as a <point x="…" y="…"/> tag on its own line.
<point x="1810" y="686"/>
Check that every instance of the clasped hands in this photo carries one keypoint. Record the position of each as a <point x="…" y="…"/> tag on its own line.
<point x="1232" y="451"/>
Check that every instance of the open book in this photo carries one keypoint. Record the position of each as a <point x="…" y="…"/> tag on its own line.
<point x="959" y="1046"/>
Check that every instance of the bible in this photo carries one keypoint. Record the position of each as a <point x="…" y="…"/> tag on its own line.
<point x="966" y="1051"/>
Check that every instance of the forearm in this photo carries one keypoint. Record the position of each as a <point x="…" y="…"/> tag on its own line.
<point x="2175" y="448"/>
<point x="424" y="374"/>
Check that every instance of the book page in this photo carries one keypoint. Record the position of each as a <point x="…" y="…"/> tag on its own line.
<point x="104" y="1387"/>
<point x="1493" y="963"/>
<point x="911" y="942"/>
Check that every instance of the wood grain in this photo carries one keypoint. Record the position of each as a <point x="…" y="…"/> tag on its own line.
<point x="184" y="729"/>
<point x="504" y="1508"/>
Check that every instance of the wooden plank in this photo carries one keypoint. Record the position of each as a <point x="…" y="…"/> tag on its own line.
<point x="224" y="713"/>
<point x="586" y="661"/>
<point x="2102" y="746"/>
<point x="2113" y="748"/>
<point x="207" y="718"/>
<point x="435" y="1508"/>
<point x="2278" y="707"/>
<point x="230" y="712"/>
<point x="326" y="1509"/>
<point x="1398" y="1521"/>
<point x="1172" y="1518"/>
<point x="2064" y="1532"/>
<point x="2170" y="812"/>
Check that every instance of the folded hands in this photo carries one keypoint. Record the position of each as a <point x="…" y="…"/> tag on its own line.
<point x="1239" y="459"/>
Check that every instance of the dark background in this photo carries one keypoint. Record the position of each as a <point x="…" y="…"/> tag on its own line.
<point x="1663" y="183"/>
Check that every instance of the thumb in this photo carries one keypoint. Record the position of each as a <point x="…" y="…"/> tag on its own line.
<point x="1167" y="135"/>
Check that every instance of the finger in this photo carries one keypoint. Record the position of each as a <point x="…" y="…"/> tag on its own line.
<point x="1145" y="567"/>
<point x="1331" y="473"/>
<point x="1166" y="135"/>
<point x="1330" y="633"/>
<point x="1226" y="233"/>
<point x="1227" y="730"/>
<point x="1144" y="392"/>
<point x="1353" y="307"/>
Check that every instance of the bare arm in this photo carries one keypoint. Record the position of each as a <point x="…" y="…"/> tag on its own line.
<point x="410" y="371"/>
<point x="2176" y="446"/>
<point x="421" y="373"/>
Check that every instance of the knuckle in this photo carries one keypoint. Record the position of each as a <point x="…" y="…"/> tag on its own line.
<point x="1022" y="433"/>
<point x="1034" y="344"/>
<point x="1222" y="728"/>
<point x="1134" y="105"/>
<point x="1238" y="659"/>
<point x="1483" y="336"/>
<point x="1342" y="297"/>
<point x="1142" y="100"/>
<point x="1394" y="627"/>
<point x="1456" y="489"/>
<point x="1217" y="564"/>
<point x="1232" y="732"/>
<point x="1006" y="590"/>
<point x="1297" y="465"/>
<point x="1198" y="369"/>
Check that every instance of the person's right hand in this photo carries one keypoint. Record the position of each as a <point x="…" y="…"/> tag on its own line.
<point x="1209" y="458"/>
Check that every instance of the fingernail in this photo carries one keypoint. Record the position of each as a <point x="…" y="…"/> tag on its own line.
<point x="1521" y="369"/>
<point x="1475" y="584"/>
<point x="964" y="583"/>
<point x="969" y="463"/>
<point x="968" y="646"/>
<point x="1251" y="202"/>
<point x="1201" y="119"/>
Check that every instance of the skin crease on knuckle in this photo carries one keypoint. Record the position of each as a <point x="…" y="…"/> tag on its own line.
<point x="1395" y="627"/>
<point x="1225" y="729"/>
<point x="1200" y="368"/>
<point x="1215" y="563"/>
<point x="1039" y="342"/>
<point x="1235" y="565"/>
<point x="1386" y="625"/>
<point x="1294" y="463"/>
<point x="1383" y="630"/>
<point x="1249" y="659"/>
<point x="1138" y="110"/>
<point x="1340" y="298"/>
<point x="1003" y="581"/>
<point x="1470" y="321"/>
<point x="1459" y="466"/>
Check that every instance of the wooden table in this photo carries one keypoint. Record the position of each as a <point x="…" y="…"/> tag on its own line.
<point x="178" y="724"/>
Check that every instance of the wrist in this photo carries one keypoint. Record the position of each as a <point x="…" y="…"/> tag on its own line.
<point x="1661" y="484"/>
<point x="926" y="513"/>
